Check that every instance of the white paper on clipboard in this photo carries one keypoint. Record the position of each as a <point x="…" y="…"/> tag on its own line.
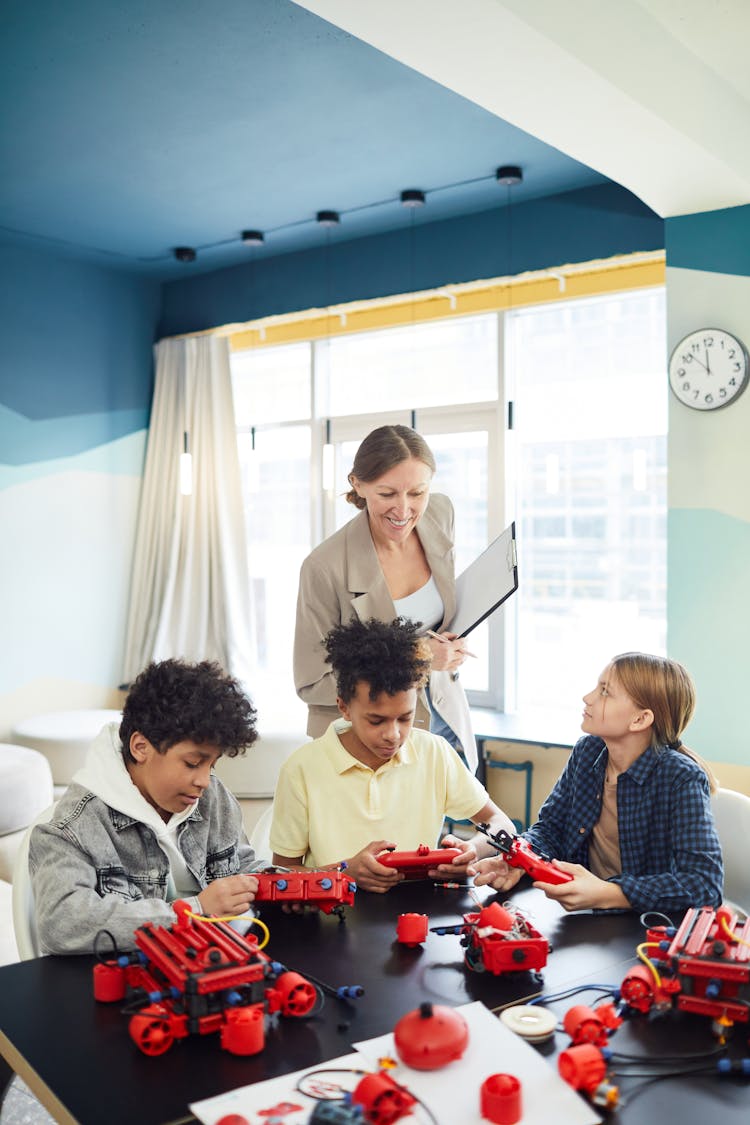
<point x="486" y="583"/>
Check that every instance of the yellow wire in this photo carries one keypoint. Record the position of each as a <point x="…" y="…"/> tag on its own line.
<point x="647" y="960"/>
<point x="724" y="925"/>
<point x="233" y="918"/>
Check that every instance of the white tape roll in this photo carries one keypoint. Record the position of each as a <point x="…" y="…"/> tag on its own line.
<point x="531" y="1022"/>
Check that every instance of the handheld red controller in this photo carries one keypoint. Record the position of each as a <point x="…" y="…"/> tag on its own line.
<point x="518" y="852"/>
<point x="416" y="864"/>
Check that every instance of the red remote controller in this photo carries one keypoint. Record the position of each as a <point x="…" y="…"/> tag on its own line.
<point x="518" y="852"/>
<point x="415" y="865"/>
<point x="540" y="869"/>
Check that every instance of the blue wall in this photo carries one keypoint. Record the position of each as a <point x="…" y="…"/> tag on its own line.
<point x="708" y="285"/>
<point x="77" y="343"/>
<point x="577" y="226"/>
<point x="75" y="396"/>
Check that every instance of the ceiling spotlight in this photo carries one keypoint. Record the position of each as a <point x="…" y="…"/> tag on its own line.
<point x="509" y="174"/>
<point x="184" y="254"/>
<point x="328" y="218"/>
<point x="253" y="237"/>
<point x="412" y="197"/>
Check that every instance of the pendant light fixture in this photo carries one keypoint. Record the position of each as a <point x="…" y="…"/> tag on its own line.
<point x="412" y="199"/>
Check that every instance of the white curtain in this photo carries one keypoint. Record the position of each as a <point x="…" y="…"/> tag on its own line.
<point x="190" y="592"/>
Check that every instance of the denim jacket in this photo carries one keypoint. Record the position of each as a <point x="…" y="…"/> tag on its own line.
<point x="94" y="868"/>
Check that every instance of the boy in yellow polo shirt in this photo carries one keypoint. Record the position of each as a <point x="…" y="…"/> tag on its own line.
<point x="373" y="781"/>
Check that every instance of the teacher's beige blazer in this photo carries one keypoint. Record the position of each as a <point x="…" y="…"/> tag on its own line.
<point x="342" y="579"/>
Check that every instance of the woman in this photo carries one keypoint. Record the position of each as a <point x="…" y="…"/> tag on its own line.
<point x="395" y="559"/>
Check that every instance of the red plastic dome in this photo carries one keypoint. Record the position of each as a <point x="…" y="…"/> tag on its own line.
<point x="430" y="1036"/>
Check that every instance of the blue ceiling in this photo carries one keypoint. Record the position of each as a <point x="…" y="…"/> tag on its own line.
<point x="131" y="128"/>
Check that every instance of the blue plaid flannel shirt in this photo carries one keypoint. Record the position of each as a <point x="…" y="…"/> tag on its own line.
<point x="670" y="852"/>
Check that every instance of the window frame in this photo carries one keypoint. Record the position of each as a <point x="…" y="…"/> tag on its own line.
<point x="494" y="416"/>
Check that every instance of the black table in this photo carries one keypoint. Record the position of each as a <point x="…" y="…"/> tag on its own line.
<point x="78" y="1058"/>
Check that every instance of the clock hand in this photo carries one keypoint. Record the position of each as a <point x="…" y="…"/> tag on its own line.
<point x="695" y="357"/>
<point x="708" y="364"/>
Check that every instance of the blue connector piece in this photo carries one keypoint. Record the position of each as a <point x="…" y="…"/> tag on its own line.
<point x="350" y="991"/>
<point x="733" y="1066"/>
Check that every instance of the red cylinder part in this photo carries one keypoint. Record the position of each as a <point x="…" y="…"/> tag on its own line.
<point x="233" y="1119"/>
<point x="411" y="929"/>
<point x="583" y="1025"/>
<point x="151" y="1031"/>
<point x="298" y="997"/>
<point x="109" y="982"/>
<point x="500" y="1099"/>
<point x="496" y="916"/>
<point x="430" y="1036"/>
<point x="582" y="1067"/>
<point x="383" y="1101"/>
<point x="637" y="988"/>
<point x="242" y="1032"/>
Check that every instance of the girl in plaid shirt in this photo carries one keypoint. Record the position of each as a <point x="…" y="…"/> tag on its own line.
<point x="630" y="816"/>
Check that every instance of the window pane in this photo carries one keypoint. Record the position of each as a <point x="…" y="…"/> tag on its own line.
<point x="276" y="491"/>
<point x="462" y="474"/>
<point x="437" y="364"/>
<point x="271" y="384"/>
<point x="590" y="434"/>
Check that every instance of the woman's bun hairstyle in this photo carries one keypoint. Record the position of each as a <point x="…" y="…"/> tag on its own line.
<point x="382" y="450"/>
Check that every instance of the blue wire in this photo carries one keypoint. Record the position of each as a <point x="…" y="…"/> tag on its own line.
<point x="607" y="989"/>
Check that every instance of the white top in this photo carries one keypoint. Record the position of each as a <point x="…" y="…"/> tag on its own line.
<point x="423" y="605"/>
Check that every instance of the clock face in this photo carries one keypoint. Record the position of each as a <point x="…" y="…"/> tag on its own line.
<point x="708" y="369"/>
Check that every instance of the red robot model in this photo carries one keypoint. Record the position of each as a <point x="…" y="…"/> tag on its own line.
<point x="703" y="967"/>
<point x="499" y="939"/>
<point x="197" y="977"/>
<point x="330" y="891"/>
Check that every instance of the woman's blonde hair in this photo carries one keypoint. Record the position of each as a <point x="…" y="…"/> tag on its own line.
<point x="665" y="688"/>
<point x="383" y="449"/>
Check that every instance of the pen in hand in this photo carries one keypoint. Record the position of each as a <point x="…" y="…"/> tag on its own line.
<point x="438" y="637"/>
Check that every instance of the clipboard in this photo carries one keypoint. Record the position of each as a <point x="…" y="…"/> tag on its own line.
<point x="486" y="583"/>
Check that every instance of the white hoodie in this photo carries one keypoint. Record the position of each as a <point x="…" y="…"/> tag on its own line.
<point x="104" y="774"/>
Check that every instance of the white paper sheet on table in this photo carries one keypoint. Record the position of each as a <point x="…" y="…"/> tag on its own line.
<point x="452" y="1093"/>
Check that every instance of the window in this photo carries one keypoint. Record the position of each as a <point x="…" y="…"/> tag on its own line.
<point x="583" y="473"/>
<point x="590" y="410"/>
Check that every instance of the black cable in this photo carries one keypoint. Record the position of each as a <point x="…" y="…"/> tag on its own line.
<point x="655" y="914"/>
<point x="100" y="956"/>
<point x="615" y="1055"/>
<point x="299" y="1085"/>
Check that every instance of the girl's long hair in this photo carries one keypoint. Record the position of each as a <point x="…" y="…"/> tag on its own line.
<point x="665" y="687"/>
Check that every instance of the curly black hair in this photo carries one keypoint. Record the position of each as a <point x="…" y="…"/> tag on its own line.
<point x="172" y="701"/>
<point x="389" y="656"/>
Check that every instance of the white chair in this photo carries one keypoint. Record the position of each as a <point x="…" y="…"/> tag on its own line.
<point x="732" y="815"/>
<point x="25" y="790"/>
<point x="260" y="837"/>
<point x="24" y="914"/>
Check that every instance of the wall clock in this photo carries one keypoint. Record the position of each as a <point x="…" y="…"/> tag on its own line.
<point x="708" y="369"/>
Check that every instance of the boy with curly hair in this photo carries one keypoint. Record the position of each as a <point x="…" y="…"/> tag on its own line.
<point x="145" y="821"/>
<point x="372" y="774"/>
